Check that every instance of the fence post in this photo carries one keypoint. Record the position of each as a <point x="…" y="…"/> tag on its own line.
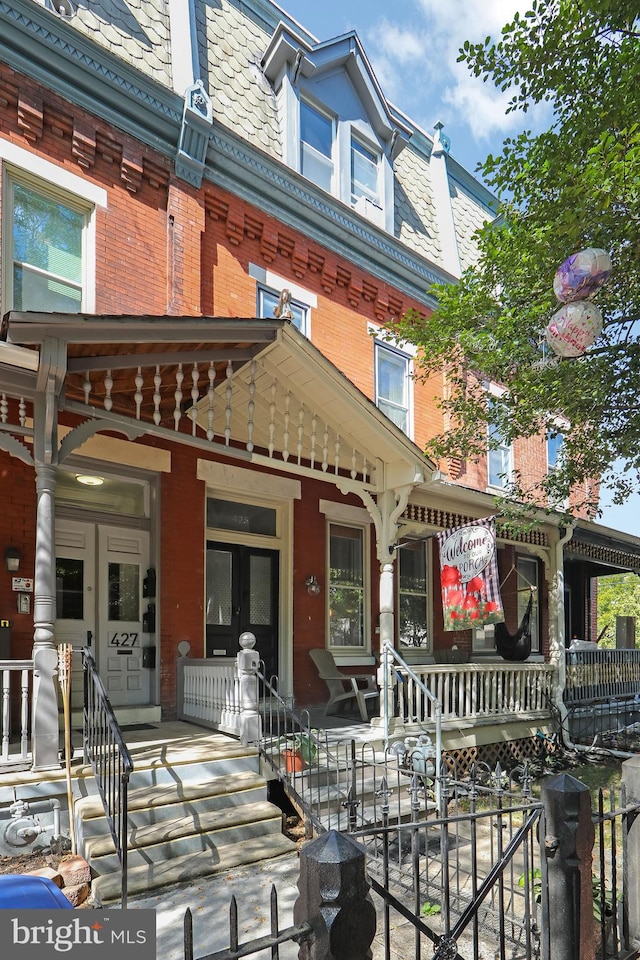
<point x="631" y="885"/>
<point x="567" y="911"/>
<point x="247" y="662"/>
<point x="334" y="898"/>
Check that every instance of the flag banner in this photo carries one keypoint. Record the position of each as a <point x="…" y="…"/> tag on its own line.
<point x="469" y="576"/>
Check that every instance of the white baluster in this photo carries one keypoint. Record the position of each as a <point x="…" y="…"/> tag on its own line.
<point x="299" y="445"/>
<point x="325" y="448"/>
<point x="211" y="395"/>
<point x="314" y="439"/>
<point x="138" y="394"/>
<point x="22" y="412"/>
<point x="228" y="393"/>
<point x="336" y="458"/>
<point x="251" y="406"/>
<point x="195" y="396"/>
<point x="4" y="409"/>
<point x="354" y="472"/>
<point x="177" y="410"/>
<point x="272" y="419"/>
<point x="108" y="387"/>
<point x="157" y="382"/>
<point x="285" y="435"/>
<point x="365" y="472"/>
<point x="86" y="386"/>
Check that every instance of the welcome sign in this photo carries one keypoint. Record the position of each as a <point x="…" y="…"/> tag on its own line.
<point x="469" y="576"/>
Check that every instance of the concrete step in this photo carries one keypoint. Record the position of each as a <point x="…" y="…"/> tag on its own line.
<point x="176" y="799"/>
<point x="153" y="876"/>
<point x="156" y="842"/>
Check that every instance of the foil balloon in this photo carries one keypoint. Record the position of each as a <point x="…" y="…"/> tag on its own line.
<point x="581" y="275"/>
<point x="573" y="329"/>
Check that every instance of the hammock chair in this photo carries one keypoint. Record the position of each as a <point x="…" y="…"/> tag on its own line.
<point x="515" y="648"/>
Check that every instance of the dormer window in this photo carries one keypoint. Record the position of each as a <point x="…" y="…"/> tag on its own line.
<point x="316" y="145"/>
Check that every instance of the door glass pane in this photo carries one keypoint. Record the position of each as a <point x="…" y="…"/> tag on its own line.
<point x="260" y="591"/>
<point x="218" y="573"/>
<point x="124" y="591"/>
<point x="70" y="589"/>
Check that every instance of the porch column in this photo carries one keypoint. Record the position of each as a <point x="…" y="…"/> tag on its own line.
<point x="557" y="641"/>
<point x="45" y="656"/>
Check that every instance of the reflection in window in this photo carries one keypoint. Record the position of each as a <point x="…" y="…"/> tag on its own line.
<point x="346" y="586"/>
<point x="124" y="591"/>
<point x="364" y="173"/>
<point x="392" y="385"/>
<point x="47" y="241"/>
<point x="412" y="607"/>
<point x="316" y="145"/>
<point x="70" y="589"/>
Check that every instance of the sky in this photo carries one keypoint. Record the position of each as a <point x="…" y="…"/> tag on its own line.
<point x="413" y="47"/>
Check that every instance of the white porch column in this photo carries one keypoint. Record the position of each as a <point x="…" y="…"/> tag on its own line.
<point x="557" y="639"/>
<point x="45" y="656"/>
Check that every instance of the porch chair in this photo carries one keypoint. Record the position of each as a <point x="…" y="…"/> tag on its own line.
<point x="359" y="687"/>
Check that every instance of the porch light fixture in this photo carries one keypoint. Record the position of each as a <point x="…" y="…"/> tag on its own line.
<point x="313" y="587"/>
<point x="89" y="480"/>
<point x="12" y="559"/>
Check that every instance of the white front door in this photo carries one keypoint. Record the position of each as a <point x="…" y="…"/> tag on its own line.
<point x="99" y="580"/>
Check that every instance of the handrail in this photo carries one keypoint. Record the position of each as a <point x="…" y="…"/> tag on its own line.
<point x="389" y="653"/>
<point x="108" y="754"/>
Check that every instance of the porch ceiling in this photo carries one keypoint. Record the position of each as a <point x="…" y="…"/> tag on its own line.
<point x="250" y="385"/>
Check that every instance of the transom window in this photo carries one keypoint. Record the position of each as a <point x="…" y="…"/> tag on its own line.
<point x="364" y="173"/>
<point x="46" y="237"/>
<point x="316" y="145"/>
<point x="392" y="385"/>
<point x="413" y="596"/>
<point x="347" y="594"/>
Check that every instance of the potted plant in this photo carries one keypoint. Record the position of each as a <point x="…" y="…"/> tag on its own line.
<point x="298" y="751"/>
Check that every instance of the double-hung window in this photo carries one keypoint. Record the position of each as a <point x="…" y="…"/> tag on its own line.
<point x="347" y="587"/>
<point x="45" y="234"/>
<point x="413" y="596"/>
<point x="554" y="449"/>
<point x="316" y="145"/>
<point x="364" y="173"/>
<point x="393" y="378"/>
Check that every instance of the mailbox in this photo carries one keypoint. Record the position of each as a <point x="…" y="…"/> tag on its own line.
<point x="149" y="657"/>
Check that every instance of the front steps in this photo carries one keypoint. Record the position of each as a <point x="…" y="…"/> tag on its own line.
<point x="196" y="806"/>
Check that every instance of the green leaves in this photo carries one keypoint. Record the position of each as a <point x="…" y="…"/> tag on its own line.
<point x="576" y="184"/>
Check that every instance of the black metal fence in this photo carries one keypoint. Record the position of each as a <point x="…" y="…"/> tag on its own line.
<point x="106" y="751"/>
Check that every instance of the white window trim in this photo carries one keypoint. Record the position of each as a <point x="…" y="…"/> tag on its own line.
<point x="494" y="391"/>
<point x="46" y="178"/>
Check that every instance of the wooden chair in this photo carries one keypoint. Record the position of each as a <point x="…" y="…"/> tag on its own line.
<point x="359" y="687"/>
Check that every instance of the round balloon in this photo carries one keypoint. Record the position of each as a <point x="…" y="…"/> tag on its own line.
<point x="581" y="275"/>
<point x="573" y="329"/>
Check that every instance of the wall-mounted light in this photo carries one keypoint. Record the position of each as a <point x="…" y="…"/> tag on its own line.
<point x="313" y="587"/>
<point x="89" y="480"/>
<point x="12" y="559"/>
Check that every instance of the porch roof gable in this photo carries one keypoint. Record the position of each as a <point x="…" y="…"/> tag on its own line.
<point x="252" y="388"/>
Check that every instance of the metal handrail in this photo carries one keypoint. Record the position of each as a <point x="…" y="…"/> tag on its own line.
<point x="108" y="754"/>
<point x="389" y="654"/>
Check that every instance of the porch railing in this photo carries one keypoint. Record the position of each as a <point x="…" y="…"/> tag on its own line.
<point x="106" y="751"/>
<point x="474" y="691"/>
<point x="601" y="674"/>
<point x="16" y="751"/>
<point x="209" y="692"/>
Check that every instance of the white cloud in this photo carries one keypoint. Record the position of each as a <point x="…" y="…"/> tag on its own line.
<point x="415" y="60"/>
